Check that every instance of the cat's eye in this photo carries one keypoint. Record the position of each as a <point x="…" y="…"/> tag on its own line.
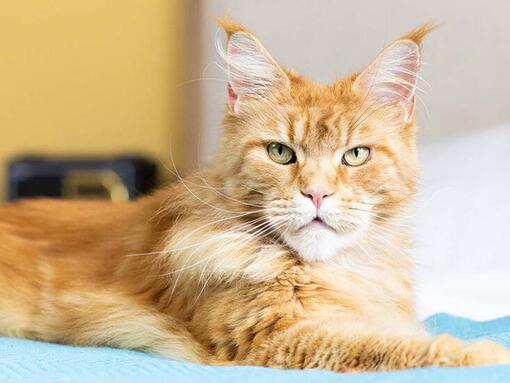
<point x="356" y="156"/>
<point x="280" y="153"/>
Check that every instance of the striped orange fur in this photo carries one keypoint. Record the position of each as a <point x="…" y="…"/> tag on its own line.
<point x="284" y="251"/>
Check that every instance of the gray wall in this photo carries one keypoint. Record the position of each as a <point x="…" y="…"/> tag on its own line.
<point x="465" y="61"/>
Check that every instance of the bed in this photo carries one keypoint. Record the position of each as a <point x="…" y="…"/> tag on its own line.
<point x="28" y="361"/>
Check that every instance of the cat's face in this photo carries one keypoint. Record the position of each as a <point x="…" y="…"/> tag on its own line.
<point x="327" y="165"/>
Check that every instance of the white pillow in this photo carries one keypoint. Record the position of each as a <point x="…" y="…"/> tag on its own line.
<point x="463" y="225"/>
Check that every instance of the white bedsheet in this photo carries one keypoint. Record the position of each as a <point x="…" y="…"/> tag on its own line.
<point x="463" y="226"/>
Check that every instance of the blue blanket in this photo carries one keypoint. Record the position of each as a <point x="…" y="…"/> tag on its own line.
<point x="28" y="361"/>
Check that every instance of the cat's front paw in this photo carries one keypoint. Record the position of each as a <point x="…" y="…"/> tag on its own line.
<point x="448" y="351"/>
<point x="484" y="353"/>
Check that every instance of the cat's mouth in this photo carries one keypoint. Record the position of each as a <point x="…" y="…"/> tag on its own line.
<point x="317" y="223"/>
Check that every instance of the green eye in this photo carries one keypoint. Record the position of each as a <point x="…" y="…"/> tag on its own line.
<point x="356" y="156"/>
<point x="281" y="154"/>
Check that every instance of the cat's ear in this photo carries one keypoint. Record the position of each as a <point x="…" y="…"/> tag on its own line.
<point x="252" y="72"/>
<point x="392" y="76"/>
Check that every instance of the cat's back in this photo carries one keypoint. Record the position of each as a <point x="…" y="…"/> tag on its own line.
<point x="33" y="232"/>
<point x="61" y="221"/>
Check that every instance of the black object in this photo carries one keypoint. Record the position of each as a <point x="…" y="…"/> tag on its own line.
<point x="118" y="178"/>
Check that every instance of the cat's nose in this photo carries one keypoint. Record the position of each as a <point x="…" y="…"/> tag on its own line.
<point x="316" y="195"/>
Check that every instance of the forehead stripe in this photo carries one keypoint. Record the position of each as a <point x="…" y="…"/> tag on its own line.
<point x="299" y="129"/>
<point x="307" y="123"/>
<point x="290" y="121"/>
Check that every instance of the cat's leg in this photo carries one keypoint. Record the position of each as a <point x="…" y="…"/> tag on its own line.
<point x="146" y="331"/>
<point x="126" y="325"/>
<point x="313" y="346"/>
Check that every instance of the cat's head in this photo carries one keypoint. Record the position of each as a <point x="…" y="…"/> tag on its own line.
<point x="328" y="164"/>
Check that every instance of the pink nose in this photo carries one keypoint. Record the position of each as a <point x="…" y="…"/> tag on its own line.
<point x="317" y="196"/>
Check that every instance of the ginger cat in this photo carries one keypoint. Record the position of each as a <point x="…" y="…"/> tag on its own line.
<point x="290" y="250"/>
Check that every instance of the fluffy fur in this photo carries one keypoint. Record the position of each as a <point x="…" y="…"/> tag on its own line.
<point x="236" y="264"/>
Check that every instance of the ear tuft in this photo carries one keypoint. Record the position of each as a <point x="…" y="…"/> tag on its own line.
<point x="418" y="34"/>
<point x="230" y="26"/>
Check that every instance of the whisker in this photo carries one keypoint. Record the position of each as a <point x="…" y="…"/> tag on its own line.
<point x="225" y="195"/>
<point x="225" y="219"/>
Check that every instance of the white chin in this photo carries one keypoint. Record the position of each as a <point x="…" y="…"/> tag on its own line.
<point x="316" y="244"/>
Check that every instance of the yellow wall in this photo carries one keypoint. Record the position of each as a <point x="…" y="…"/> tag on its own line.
<point x="89" y="77"/>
